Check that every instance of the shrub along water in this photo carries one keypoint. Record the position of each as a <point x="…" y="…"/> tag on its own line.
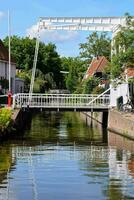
<point x="5" y="119"/>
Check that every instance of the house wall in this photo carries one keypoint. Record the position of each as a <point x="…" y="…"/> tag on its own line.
<point x="13" y="73"/>
<point x="4" y="73"/>
<point x="120" y="90"/>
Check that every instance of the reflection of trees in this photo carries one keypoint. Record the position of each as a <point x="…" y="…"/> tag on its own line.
<point x="78" y="131"/>
<point x="54" y="127"/>
<point x="44" y="128"/>
<point x="5" y="161"/>
<point x="113" y="192"/>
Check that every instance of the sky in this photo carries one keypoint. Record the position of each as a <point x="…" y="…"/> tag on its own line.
<point x="26" y="13"/>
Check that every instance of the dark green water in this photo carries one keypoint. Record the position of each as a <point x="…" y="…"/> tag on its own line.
<point x="60" y="158"/>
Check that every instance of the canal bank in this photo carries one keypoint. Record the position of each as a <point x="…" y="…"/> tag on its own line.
<point x="18" y="121"/>
<point x="21" y="118"/>
<point x="121" y="123"/>
<point x="118" y="122"/>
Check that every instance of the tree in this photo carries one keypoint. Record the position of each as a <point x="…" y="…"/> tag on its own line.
<point x="22" y="50"/>
<point x="124" y="48"/>
<point x="75" y="68"/>
<point x="72" y="80"/>
<point x="90" y="84"/>
<point x="96" y="45"/>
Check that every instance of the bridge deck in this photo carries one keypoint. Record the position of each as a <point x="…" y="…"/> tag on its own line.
<point x="62" y="102"/>
<point x="82" y="109"/>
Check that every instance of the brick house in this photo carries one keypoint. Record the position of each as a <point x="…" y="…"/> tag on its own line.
<point x="4" y="68"/>
<point x="96" y="68"/>
<point x="129" y="73"/>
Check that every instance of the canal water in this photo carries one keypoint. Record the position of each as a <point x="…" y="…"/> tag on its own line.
<point x="59" y="157"/>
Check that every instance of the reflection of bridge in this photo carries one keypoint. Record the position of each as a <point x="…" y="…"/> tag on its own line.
<point x="70" y="102"/>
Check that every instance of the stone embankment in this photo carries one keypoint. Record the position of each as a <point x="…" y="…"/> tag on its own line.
<point x="20" y="119"/>
<point x="99" y="117"/>
<point x="118" y="122"/>
<point x="121" y="123"/>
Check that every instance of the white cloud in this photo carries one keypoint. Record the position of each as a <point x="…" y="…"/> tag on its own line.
<point x="1" y="14"/>
<point x="52" y="35"/>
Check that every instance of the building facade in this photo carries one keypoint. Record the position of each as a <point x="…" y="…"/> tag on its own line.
<point x="4" y="70"/>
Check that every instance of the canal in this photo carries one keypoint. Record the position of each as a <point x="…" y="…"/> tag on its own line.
<point x="59" y="157"/>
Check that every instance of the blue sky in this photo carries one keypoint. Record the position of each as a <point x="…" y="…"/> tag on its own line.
<point x="25" y="14"/>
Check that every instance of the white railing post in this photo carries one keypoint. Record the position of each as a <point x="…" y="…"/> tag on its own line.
<point x="94" y="99"/>
<point x="61" y="100"/>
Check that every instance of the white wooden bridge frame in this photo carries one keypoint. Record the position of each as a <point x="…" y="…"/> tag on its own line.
<point x="69" y="101"/>
<point x="74" y="102"/>
<point x="110" y="24"/>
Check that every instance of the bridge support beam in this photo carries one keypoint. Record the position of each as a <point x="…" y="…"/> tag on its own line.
<point x="105" y="119"/>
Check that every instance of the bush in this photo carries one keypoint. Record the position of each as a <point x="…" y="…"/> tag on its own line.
<point x="98" y="90"/>
<point x="90" y="84"/>
<point x="5" y="119"/>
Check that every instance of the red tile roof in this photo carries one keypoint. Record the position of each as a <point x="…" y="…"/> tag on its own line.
<point x="130" y="72"/>
<point x="97" y="65"/>
<point x="4" y="53"/>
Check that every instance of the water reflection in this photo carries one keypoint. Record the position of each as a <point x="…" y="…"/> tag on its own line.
<point x="60" y="157"/>
<point x="121" y="165"/>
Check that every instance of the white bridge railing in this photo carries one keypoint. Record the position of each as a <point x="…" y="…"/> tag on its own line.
<point x="60" y="101"/>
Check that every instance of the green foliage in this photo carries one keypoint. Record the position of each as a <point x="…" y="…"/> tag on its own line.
<point x="72" y="81"/>
<point x="90" y="84"/>
<point x="39" y="83"/>
<point x="116" y="66"/>
<point x="22" y="50"/>
<point x="5" y="119"/>
<point x="98" y="90"/>
<point x="131" y="80"/>
<point x="96" y="45"/>
<point x="124" y="47"/>
<point x="75" y="68"/>
<point x="42" y="83"/>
